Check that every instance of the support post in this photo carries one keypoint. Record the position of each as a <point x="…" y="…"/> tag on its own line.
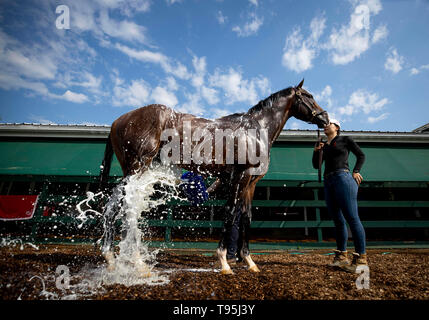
<point x="319" y="229"/>
<point x="38" y="214"/>
<point x="168" y="227"/>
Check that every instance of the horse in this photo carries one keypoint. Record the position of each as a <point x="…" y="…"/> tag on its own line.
<point x="147" y="134"/>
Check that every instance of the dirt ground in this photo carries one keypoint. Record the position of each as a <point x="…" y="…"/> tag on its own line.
<point x="194" y="275"/>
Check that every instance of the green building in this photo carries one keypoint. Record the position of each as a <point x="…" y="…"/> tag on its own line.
<point x="60" y="163"/>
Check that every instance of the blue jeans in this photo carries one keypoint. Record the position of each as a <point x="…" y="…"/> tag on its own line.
<point x="341" y="199"/>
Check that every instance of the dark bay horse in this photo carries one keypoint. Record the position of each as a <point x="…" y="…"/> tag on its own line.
<point x="156" y="132"/>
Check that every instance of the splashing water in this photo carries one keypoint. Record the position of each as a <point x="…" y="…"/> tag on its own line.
<point x="136" y="194"/>
<point x="6" y="242"/>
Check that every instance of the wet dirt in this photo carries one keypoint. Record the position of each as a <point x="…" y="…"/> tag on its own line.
<point x="395" y="274"/>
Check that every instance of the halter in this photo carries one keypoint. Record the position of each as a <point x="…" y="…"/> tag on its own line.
<point x="300" y="102"/>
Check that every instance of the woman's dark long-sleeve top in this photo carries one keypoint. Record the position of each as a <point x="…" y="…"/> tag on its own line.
<point x="336" y="155"/>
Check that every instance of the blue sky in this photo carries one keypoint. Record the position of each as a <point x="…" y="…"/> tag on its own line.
<point x="365" y="61"/>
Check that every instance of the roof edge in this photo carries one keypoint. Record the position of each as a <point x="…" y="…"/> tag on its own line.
<point x="25" y="130"/>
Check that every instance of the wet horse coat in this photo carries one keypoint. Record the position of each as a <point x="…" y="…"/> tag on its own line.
<point x="136" y="140"/>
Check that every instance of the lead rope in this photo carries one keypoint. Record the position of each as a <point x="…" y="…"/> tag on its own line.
<point x="320" y="156"/>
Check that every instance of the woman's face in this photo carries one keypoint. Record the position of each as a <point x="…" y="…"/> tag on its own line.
<point x="330" y="129"/>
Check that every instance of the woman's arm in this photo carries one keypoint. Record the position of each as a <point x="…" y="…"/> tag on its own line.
<point x="315" y="158"/>
<point x="360" y="156"/>
<point x="360" y="159"/>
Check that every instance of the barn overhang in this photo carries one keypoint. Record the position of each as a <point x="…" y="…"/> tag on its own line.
<point x="55" y="150"/>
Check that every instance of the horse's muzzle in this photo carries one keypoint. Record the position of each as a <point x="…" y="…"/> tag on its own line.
<point x="321" y="119"/>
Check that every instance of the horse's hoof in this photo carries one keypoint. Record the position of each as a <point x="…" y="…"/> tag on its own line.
<point x="144" y="271"/>
<point x="254" y="268"/>
<point x="110" y="267"/>
<point x="226" y="271"/>
<point x="110" y="259"/>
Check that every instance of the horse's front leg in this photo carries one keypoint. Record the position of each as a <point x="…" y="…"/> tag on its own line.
<point x="113" y="207"/>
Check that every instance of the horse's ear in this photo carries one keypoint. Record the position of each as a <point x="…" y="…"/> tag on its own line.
<point x="300" y="84"/>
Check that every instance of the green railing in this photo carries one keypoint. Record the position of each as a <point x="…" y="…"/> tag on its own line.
<point x="169" y="223"/>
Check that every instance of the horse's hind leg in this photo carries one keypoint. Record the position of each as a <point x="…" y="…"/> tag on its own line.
<point x="232" y="211"/>
<point x="224" y="241"/>
<point x="246" y="220"/>
<point x="244" y="239"/>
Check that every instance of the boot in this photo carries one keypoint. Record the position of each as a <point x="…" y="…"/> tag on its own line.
<point x="358" y="260"/>
<point x="340" y="259"/>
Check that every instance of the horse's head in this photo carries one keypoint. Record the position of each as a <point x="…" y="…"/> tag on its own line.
<point x="305" y="108"/>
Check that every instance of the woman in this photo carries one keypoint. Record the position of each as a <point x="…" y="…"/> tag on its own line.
<point x="341" y="188"/>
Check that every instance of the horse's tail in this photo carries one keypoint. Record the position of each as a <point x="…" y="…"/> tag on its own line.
<point x="105" y="165"/>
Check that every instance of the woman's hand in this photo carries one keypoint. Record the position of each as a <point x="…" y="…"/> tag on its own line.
<point x="358" y="178"/>
<point x="318" y="147"/>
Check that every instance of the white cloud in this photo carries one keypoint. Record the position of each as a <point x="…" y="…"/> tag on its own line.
<point x="171" y="84"/>
<point x="351" y="40"/>
<point x="237" y="89"/>
<point x="324" y="96"/>
<point x="93" y="16"/>
<point x="297" y="56"/>
<point x="176" y="69"/>
<point x="136" y="94"/>
<point x="80" y="79"/>
<point x="127" y="7"/>
<point x="27" y="65"/>
<point x="161" y="95"/>
<point x="251" y="27"/>
<point x="254" y="2"/>
<point x="55" y="60"/>
<point x="143" y="55"/>
<point x="226" y="87"/>
<point x="74" y="97"/>
<point x="414" y="71"/>
<point x="210" y="95"/>
<point x="15" y="82"/>
<point x="35" y="65"/>
<point x="299" y="53"/>
<point x="126" y="30"/>
<point x="193" y="105"/>
<point x="317" y="27"/>
<point x="200" y="65"/>
<point x="295" y="125"/>
<point x="170" y="2"/>
<point x="221" y="18"/>
<point x="139" y="93"/>
<point x="218" y="112"/>
<point x="379" y="118"/>
<point x="417" y="70"/>
<point x="380" y="33"/>
<point x="393" y="61"/>
<point x="363" y="101"/>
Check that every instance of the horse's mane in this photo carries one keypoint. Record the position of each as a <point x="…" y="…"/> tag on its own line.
<point x="262" y="105"/>
<point x="268" y="102"/>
